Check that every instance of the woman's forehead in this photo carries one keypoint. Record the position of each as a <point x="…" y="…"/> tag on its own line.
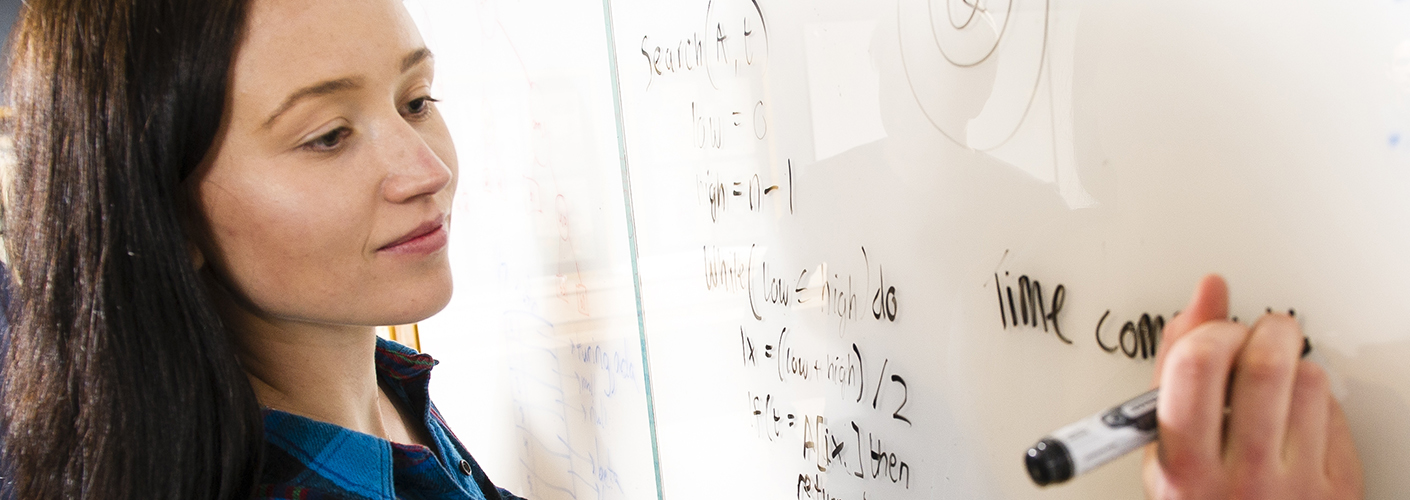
<point x="290" y="44"/>
<point x="327" y="20"/>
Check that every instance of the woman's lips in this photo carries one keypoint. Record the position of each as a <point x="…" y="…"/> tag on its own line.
<point x="426" y="238"/>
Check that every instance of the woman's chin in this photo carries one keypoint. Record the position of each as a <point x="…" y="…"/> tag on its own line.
<point x="423" y="301"/>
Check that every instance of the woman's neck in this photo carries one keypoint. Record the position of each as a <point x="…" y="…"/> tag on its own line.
<point x="321" y="371"/>
<point x="327" y="373"/>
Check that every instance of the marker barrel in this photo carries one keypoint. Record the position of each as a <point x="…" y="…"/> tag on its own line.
<point x="1093" y="441"/>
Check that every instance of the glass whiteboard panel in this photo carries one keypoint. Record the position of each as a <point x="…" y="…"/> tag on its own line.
<point x="541" y="370"/>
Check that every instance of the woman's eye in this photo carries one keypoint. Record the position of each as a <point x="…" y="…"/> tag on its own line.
<point x="420" y="106"/>
<point x="328" y="141"/>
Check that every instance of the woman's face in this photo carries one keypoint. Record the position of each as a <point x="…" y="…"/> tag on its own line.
<point x="324" y="199"/>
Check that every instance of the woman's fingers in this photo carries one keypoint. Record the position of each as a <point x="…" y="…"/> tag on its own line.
<point x="1308" y="420"/>
<point x="1209" y="302"/>
<point x="1192" y="395"/>
<point x="1343" y="466"/>
<point x="1262" y="392"/>
<point x="1282" y="435"/>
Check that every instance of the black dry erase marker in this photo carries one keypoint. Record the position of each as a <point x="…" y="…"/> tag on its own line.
<point x="1098" y="439"/>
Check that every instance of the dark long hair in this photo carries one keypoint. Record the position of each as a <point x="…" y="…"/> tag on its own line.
<point x="120" y="380"/>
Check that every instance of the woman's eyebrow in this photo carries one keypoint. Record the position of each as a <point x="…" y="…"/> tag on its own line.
<point x="317" y="89"/>
<point x="414" y="58"/>
<point x="331" y="86"/>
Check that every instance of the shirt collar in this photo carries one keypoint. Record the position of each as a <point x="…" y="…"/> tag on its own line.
<point x="326" y="457"/>
<point x="400" y="363"/>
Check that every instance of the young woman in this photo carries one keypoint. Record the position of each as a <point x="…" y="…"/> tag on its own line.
<point x="217" y="201"/>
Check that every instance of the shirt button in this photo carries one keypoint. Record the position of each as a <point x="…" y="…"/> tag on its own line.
<point x="465" y="467"/>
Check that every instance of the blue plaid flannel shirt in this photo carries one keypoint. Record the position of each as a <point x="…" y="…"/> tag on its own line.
<point x="307" y="460"/>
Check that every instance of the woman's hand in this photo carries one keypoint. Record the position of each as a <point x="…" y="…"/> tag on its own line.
<point x="1283" y="436"/>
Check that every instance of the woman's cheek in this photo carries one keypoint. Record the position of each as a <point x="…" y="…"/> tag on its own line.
<point x="287" y="247"/>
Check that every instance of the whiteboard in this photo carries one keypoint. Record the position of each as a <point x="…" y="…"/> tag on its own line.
<point x="541" y="372"/>
<point x="835" y="199"/>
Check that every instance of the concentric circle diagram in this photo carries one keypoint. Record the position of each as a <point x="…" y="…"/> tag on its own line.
<point x="974" y="66"/>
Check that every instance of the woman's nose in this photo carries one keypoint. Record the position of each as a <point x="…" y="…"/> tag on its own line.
<point x="413" y="168"/>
